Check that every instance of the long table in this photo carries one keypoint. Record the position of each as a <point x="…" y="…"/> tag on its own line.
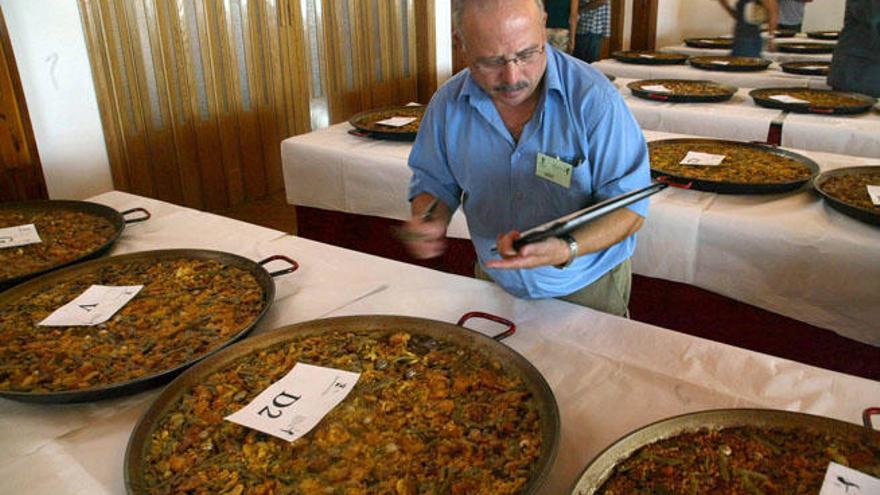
<point x="775" y="56"/>
<point x="772" y="77"/>
<point x="609" y="375"/>
<point x="790" y="253"/>
<point x="740" y="118"/>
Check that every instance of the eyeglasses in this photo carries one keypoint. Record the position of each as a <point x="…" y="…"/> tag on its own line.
<point x="496" y="64"/>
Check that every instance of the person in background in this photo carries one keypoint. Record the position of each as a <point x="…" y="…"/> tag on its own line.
<point x="855" y="65"/>
<point x="560" y="27"/>
<point x="749" y="16"/>
<point x="525" y="135"/>
<point x="791" y="15"/>
<point x="593" y="19"/>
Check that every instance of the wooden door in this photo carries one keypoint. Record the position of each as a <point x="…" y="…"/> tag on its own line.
<point x="21" y="176"/>
<point x="644" y="25"/>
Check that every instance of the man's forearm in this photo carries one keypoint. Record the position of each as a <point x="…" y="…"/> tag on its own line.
<point x="608" y="230"/>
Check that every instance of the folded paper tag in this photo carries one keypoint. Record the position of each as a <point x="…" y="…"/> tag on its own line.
<point x="657" y="88"/>
<point x="720" y="62"/>
<point x="19" y="235"/>
<point x="787" y="99"/>
<point x="413" y="104"/>
<point x="292" y="406"/>
<point x="841" y="480"/>
<point x="396" y="121"/>
<point x="698" y="158"/>
<point x="812" y="67"/>
<point x="874" y="193"/>
<point x="95" y="305"/>
<point x="646" y="55"/>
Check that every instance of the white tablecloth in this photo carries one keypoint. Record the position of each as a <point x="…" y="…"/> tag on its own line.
<point x="741" y="119"/>
<point x="609" y="375"/>
<point x="772" y="77"/>
<point x="790" y="254"/>
<point x="778" y="57"/>
<point x="737" y="118"/>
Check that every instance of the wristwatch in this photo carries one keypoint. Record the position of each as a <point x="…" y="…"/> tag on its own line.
<point x="572" y="250"/>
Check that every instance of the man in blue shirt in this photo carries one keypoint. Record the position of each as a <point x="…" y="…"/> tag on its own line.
<point x="525" y="135"/>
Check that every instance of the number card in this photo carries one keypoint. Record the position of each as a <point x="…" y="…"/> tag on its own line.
<point x="841" y="480"/>
<point x="19" y="235"/>
<point x="874" y="193"/>
<point x="720" y="62"/>
<point x="657" y="88"/>
<point x="697" y="158"/>
<point x="787" y="99"/>
<point x="396" y="121"/>
<point x="292" y="406"/>
<point x="95" y="305"/>
<point x="812" y="67"/>
<point x="646" y="55"/>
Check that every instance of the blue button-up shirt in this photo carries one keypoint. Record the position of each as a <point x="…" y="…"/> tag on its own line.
<point x="465" y="156"/>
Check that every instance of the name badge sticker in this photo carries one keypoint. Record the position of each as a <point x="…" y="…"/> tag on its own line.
<point x="841" y="480"/>
<point x="95" y="305"/>
<point x="553" y="169"/>
<point x="292" y="406"/>
<point x="20" y="235"/>
<point x="698" y="158"/>
<point x="874" y="193"/>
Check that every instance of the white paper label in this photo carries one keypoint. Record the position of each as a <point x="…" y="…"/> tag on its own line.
<point x="646" y="55"/>
<point x="698" y="158"/>
<point x="413" y="104"/>
<point x="720" y="62"/>
<point x="396" y="121"/>
<point x="874" y="192"/>
<point x="787" y="99"/>
<point x="841" y="480"/>
<point x="19" y="236"/>
<point x="292" y="406"/>
<point x="812" y="67"/>
<point x="95" y="305"/>
<point x="657" y="88"/>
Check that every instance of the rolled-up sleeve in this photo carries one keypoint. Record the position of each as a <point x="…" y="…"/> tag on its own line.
<point x="428" y="159"/>
<point x="618" y="152"/>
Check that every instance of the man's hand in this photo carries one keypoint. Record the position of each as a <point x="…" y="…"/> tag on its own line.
<point x="424" y="236"/>
<point x="552" y="251"/>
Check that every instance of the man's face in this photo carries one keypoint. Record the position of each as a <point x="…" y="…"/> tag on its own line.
<point x="496" y="35"/>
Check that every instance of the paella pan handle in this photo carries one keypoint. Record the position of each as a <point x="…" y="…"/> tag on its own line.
<point x="358" y="133"/>
<point x="146" y="215"/>
<point x="294" y="266"/>
<point x="866" y="416"/>
<point x="821" y="110"/>
<point x="664" y="179"/>
<point x="511" y="326"/>
<point x="655" y="96"/>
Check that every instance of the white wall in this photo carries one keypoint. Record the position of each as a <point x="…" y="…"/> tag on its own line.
<point x="679" y="19"/>
<point x="50" y="52"/>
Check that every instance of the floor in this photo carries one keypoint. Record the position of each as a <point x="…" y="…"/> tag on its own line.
<point x="671" y="305"/>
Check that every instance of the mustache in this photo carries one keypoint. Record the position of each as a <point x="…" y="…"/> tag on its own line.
<point x="511" y="87"/>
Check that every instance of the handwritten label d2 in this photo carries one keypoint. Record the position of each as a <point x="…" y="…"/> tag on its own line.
<point x="292" y="406"/>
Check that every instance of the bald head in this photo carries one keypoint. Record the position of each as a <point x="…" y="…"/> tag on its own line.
<point x="463" y="10"/>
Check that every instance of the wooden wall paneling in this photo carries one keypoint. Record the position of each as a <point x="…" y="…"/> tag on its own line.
<point x="426" y="44"/>
<point x="21" y="175"/>
<point x="253" y="164"/>
<point x="175" y="90"/>
<point x="210" y="36"/>
<point x="207" y="141"/>
<point x="260" y="84"/>
<point x="108" y="98"/>
<point x="121" y="61"/>
<point x="158" y="131"/>
<point x="644" y="25"/>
